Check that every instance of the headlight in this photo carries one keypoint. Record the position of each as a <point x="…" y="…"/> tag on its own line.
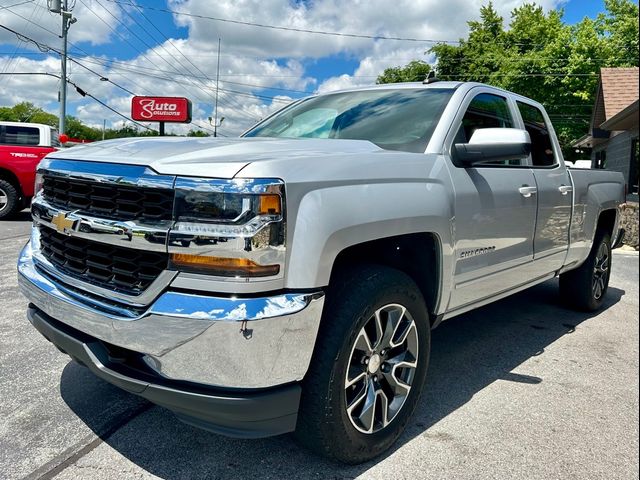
<point x="39" y="183"/>
<point x="226" y="208"/>
<point x="230" y="228"/>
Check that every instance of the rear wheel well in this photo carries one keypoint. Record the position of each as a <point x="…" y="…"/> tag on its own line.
<point x="417" y="255"/>
<point x="10" y="177"/>
<point x="606" y="222"/>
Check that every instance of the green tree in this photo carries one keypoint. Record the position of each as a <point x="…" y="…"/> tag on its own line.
<point x="414" y="71"/>
<point x="197" y="133"/>
<point x="78" y="130"/>
<point x="620" y="24"/>
<point x="27" y="112"/>
<point x="543" y="58"/>
<point x="75" y="128"/>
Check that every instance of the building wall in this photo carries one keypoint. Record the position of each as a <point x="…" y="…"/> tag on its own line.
<point x="618" y="152"/>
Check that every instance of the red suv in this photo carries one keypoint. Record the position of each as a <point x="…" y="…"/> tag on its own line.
<point x="22" y="146"/>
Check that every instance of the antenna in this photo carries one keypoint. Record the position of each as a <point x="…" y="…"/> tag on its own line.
<point x="431" y="78"/>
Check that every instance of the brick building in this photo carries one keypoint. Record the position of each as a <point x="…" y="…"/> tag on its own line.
<point x="613" y="132"/>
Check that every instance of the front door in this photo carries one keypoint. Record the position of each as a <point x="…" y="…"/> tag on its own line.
<point x="495" y="212"/>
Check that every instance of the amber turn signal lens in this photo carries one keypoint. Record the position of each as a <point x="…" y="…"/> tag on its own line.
<point x="269" y="205"/>
<point x="223" y="267"/>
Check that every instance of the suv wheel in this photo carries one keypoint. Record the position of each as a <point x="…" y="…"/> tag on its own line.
<point x="369" y="365"/>
<point x="9" y="199"/>
<point x="585" y="287"/>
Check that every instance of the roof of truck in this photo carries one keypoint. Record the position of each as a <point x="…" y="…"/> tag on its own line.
<point x="24" y="124"/>
<point x="395" y="86"/>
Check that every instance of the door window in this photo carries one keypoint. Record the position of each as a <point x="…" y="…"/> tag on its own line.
<point x="486" y="111"/>
<point x="541" y="147"/>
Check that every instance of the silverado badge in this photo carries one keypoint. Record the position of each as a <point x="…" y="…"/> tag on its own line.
<point x="62" y="223"/>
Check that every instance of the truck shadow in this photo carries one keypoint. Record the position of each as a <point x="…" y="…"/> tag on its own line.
<point x="22" y="216"/>
<point x="469" y="353"/>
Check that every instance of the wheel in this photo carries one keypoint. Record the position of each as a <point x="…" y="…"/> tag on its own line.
<point x="9" y="199"/>
<point x="585" y="287"/>
<point x="369" y="365"/>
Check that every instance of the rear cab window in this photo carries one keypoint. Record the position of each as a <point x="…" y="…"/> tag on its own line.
<point x="19" y="135"/>
<point x="542" y="154"/>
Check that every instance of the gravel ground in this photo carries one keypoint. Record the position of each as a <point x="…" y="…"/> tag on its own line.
<point x="522" y="388"/>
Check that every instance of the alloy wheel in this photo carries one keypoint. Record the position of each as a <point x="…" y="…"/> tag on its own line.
<point x="600" y="272"/>
<point x="4" y="200"/>
<point x="381" y="368"/>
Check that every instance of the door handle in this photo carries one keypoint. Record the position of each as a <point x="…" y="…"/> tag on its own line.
<point x="564" y="189"/>
<point x="526" y="191"/>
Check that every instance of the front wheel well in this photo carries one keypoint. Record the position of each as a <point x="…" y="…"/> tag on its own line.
<point x="416" y="254"/>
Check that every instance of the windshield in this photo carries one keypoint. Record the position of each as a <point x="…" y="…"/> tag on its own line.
<point x="402" y="119"/>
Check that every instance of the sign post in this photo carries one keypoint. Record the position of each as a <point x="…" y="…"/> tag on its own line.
<point x="161" y="109"/>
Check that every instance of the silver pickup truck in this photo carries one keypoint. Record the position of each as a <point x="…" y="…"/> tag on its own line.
<point x="288" y="280"/>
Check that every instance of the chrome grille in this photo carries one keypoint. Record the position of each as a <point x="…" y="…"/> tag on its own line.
<point x="108" y="200"/>
<point x="108" y="266"/>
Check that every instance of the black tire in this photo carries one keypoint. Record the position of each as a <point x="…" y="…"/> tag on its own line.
<point x="324" y="426"/>
<point x="585" y="287"/>
<point x="9" y="199"/>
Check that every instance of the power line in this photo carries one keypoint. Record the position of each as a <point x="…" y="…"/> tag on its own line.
<point x="167" y="39"/>
<point x="83" y="93"/>
<point x="17" y="4"/>
<point x="47" y="48"/>
<point x="34" y="23"/>
<point x="137" y="68"/>
<point x="13" y="59"/>
<point x="193" y="83"/>
<point x="174" y="79"/>
<point x="131" y="3"/>
<point x="206" y="87"/>
<point x="473" y="75"/>
<point x="279" y="27"/>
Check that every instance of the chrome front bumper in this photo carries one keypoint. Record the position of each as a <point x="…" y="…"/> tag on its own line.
<point x="217" y="341"/>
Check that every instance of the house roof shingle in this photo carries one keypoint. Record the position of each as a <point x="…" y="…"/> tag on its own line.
<point x="619" y="88"/>
<point x="616" y="94"/>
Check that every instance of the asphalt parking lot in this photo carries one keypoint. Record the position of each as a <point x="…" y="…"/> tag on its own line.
<point x="523" y="388"/>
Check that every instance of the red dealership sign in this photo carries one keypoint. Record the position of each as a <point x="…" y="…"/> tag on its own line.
<point x="161" y="109"/>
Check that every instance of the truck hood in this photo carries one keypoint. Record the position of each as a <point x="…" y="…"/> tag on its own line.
<point x="208" y="157"/>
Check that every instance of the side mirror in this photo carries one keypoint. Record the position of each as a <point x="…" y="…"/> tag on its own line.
<point x="492" y="145"/>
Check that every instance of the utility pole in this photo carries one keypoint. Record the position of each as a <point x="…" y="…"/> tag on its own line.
<point x="61" y="7"/>
<point x="215" y="110"/>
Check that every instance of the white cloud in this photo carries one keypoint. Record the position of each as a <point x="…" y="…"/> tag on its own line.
<point x="89" y="27"/>
<point x="262" y="57"/>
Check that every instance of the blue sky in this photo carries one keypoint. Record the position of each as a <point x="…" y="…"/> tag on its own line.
<point x="146" y="51"/>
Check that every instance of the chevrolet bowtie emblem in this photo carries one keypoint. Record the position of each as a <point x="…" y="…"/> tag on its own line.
<point x="62" y="223"/>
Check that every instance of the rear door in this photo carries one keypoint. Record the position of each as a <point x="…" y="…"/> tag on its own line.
<point x="494" y="216"/>
<point x="555" y="191"/>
